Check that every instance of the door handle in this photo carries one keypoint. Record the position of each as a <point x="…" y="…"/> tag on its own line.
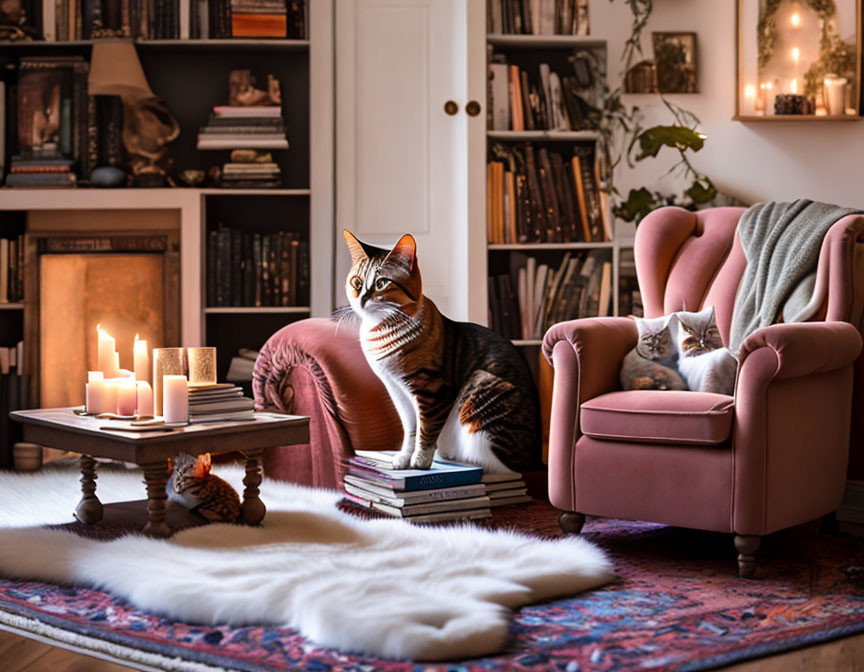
<point x="472" y="108"/>
<point x="451" y="107"/>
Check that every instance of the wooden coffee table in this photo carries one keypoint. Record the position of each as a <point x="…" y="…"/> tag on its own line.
<point x="62" y="428"/>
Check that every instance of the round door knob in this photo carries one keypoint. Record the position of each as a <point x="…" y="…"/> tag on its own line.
<point x="450" y="107"/>
<point x="472" y="108"/>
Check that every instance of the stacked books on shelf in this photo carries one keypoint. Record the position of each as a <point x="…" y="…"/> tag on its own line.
<point x="242" y="365"/>
<point x="54" y="123"/>
<point x="12" y="270"/>
<point x="629" y="297"/>
<point x="244" y="127"/>
<point x="581" y="286"/>
<point x="253" y="269"/>
<point x="537" y="17"/>
<point x="251" y="169"/>
<point x="446" y="491"/>
<point x="534" y="195"/>
<point x="520" y="100"/>
<point x="219" y="402"/>
<point x="222" y="19"/>
<point x="14" y="396"/>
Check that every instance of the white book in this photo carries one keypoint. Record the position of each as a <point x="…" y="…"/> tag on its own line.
<point x="547" y="17"/>
<point x="581" y="23"/>
<point x="531" y="272"/>
<point x="203" y="20"/>
<point x="245" y="142"/>
<point x="605" y="289"/>
<point x="535" y="17"/>
<point x="496" y="489"/>
<point x="185" y="19"/>
<point x="500" y="97"/>
<point x="523" y="295"/>
<point x="556" y="102"/>
<point x="4" y="270"/>
<point x="540" y="288"/>
<point x="363" y="488"/>
<point x="497" y="20"/>
<point x="49" y="21"/>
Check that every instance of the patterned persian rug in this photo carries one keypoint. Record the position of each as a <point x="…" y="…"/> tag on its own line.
<point x="678" y="604"/>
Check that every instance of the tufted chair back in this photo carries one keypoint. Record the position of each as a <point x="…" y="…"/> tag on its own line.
<point x="686" y="260"/>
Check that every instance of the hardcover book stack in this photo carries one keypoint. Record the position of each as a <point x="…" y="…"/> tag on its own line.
<point x="220" y="402"/>
<point x="542" y="101"/>
<point x="253" y="269"/>
<point x="537" y="17"/>
<point x="537" y="196"/>
<point x="220" y="19"/>
<point x="12" y="270"/>
<point x="581" y="286"/>
<point x="250" y="169"/>
<point x="444" y="492"/>
<point x="239" y="127"/>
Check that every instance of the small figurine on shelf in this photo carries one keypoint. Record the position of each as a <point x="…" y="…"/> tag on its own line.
<point x="242" y="91"/>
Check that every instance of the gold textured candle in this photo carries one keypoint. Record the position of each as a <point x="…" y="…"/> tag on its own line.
<point x="202" y="366"/>
<point x="166" y="361"/>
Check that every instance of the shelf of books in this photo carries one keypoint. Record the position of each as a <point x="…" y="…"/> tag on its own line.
<point x="551" y="252"/>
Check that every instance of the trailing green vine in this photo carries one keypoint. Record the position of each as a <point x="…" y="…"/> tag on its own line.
<point x="616" y="121"/>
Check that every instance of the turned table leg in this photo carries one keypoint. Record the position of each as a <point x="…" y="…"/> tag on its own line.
<point x="89" y="509"/>
<point x="253" y="508"/>
<point x="156" y="478"/>
<point x="747" y="545"/>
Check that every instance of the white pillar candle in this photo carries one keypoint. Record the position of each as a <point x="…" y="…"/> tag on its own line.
<point x="165" y="361"/>
<point x="141" y="359"/>
<point x="110" y="398"/>
<point x="95" y="375"/>
<point x="145" y="399"/>
<point x="96" y="396"/>
<point x="835" y="95"/>
<point x="127" y="397"/>
<point x="175" y="399"/>
<point x="105" y="353"/>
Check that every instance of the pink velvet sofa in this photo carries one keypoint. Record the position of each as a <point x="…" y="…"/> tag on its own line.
<point x="773" y="456"/>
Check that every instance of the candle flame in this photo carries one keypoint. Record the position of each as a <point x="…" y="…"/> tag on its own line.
<point x="750" y="91"/>
<point x="136" y="338"/>
<point x="793" y="85"/>
<point x="795" y="19"/>
<point x="796" y="54"/>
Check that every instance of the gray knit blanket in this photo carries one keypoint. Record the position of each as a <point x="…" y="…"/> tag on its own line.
<point x="781" y="242"/>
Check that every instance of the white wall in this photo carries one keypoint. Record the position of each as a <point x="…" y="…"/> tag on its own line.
<point x="756" y="161"/>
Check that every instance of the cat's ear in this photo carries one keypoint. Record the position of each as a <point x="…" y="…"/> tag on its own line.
<point x="404" y="250"/>
<point x="202" y="465"/>
<point x="355" y="246"/>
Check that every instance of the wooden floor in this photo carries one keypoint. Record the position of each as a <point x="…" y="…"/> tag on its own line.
<point x="18" y="654"/>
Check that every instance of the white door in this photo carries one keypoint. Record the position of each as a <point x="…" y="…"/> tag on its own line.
<point x="401" y="160"/>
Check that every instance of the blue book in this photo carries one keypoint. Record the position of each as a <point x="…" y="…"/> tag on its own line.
<point x="374" y="467"/>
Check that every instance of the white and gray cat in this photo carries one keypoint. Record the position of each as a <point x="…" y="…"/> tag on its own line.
<point x="651" y="364"/>
<point x="704" y="363"/>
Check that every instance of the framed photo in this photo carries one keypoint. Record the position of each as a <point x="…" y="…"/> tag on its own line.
<point x="675" y="60"/>
<point x="798" y="59"/>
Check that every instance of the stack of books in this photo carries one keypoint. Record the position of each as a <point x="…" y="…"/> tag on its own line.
<point x="251" y="169"/>
<point x="219" y="402"/>
<point x="249" y="18"/>
<point x="42" y="172"/>
<point x="444" y="492"/>
<point x="447" y="491"/>
<point x="244" y="127"/>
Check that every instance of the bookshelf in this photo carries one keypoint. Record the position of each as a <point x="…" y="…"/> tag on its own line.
<point x="528" y="52"/>
<point x="191" y="76"/>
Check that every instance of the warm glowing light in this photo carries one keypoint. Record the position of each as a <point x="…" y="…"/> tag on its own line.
<point x="793" y="85"/>
<point x="750" y="92"/>
<point x="796" y="54"/>
<point x="795" y="20"/>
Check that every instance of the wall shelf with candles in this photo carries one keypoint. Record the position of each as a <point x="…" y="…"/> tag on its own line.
<point x="797" y="117"/>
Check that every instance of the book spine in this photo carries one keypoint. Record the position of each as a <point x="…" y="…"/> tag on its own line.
<point x="285" y="270"/>
<point x="266" y="289"/>
<point x="258" y="268"/>
<point x="212" y="273"/>
<point x="236" y="268"/>
<point x="276" y="267"/>
<point x="248" y="271"/>
<point x="223" y="268"/>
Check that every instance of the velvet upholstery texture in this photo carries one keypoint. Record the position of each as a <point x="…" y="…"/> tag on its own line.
<point x="773" y="456"/>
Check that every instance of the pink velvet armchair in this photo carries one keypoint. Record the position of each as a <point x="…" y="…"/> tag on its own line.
<point x="773" y="456"/>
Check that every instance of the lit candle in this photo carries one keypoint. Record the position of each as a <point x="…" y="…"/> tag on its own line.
<point x="175" y="404"/>
<point x="141" y="358"/>
<point x="835" y="94"/>
<point x="202" y="366"/>
<point x="165" y="361"/>
<point x="793" y="85"/>
<point x="106" y="353"/>
<point x="127" y="397"/>
<point x="796" y="55"/>
<point x="760" y="97"/>
<point x="145" y="399"/>
<point x="110" y="398"/>
<point x="96" y="396"/>
<point x="795" y="20"/>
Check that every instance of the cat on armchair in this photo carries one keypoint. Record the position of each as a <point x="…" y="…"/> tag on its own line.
<point x="458" y="387"/>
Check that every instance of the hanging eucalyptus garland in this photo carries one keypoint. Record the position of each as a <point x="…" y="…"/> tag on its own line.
<point x="767" y="26"/>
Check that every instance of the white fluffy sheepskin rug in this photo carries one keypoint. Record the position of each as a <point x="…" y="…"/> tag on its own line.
<point x="381" y="587"/>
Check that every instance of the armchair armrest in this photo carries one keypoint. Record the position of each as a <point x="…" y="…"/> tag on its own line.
<point x="802" y="349"/>
<point x="587" y="355"/>
<point x="790" y="440"/>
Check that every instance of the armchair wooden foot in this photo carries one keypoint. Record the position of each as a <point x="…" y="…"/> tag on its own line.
<point x="747" y="545"/>
<point x="571" y="522"/>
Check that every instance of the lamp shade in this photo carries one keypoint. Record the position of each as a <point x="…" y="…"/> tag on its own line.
<point x="116" y="70"/>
